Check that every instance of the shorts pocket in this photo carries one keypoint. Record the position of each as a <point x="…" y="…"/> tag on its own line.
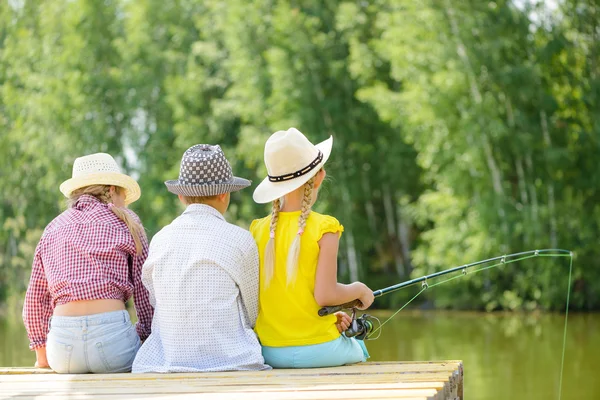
<point x="117" y="350"/>
<point x="59" y="355"/>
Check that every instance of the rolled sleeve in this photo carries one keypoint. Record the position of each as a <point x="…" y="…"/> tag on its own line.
<point x="141" y="298"/>
<point x="37" y="308"/>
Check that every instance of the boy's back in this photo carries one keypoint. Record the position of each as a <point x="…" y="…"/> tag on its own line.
<point x="202" y="277"/>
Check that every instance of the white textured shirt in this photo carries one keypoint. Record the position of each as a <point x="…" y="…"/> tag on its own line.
<point x="202" y="278"/>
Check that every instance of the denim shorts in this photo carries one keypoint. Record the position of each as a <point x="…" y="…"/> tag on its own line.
<point x="337" y="352"/>
<point x="98" y="343"/>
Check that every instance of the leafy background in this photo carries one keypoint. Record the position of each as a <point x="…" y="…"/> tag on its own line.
<point x="462" y="129"/>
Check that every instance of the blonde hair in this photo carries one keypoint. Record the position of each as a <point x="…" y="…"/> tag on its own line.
<point x="197" y="199"/>
<point x="102" y="193"/>
<point x="294" y="250"/>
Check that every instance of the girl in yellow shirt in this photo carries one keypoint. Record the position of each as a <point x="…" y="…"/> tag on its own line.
<point x="298" y="262"/>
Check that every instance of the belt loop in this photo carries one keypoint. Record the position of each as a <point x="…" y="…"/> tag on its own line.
<point x="49" y="323"/>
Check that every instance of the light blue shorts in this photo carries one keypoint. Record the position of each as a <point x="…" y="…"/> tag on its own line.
<point x="337" y="352"/>
<point x="99" y="343"/>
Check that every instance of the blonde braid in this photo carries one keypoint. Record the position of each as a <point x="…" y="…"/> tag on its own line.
<point x="104" y="196"/>
<point x="294" y="251"/>
<point x="270" y="249"/>
<point x="134" y="227"/>
<point x="102" y="193"/>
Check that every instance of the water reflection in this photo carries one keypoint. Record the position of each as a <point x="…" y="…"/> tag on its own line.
<point x="506" y="356"/>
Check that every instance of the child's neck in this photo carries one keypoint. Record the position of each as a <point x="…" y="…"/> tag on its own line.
<point x="293" y="201"/>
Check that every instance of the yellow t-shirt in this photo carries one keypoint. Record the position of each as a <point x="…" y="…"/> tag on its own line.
<point x="287" y="315"/>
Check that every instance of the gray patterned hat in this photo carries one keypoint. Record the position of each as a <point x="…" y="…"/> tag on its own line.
<point x="205" y="172"/>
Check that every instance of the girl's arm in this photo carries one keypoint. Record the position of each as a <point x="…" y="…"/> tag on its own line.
<point x="328" y="292"/>
<point x="40" y="358"/>
<point x="37" y="309"/>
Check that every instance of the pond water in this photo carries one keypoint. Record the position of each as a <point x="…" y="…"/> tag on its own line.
<point x="506" y="355"/>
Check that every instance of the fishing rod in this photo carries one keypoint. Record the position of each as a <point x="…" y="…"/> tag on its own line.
<point x="352" y="305"/>
<point x="362" y="328"/>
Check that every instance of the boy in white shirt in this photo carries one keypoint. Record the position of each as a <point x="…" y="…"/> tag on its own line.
<point x="202" y="277"/>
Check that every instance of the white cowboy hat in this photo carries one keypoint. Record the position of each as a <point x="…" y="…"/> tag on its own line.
<point x="205" y="171"/>
<point x="100" y="169"/>
<point x="291" y="161"/>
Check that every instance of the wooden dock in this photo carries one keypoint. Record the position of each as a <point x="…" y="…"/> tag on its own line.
<point x="384" y="380"/>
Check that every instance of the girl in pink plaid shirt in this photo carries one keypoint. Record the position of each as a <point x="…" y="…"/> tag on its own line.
<point x="86" y="266"/>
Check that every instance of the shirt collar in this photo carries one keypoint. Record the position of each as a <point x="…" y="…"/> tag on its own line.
<point x="200" y="209"/>
<point x="85" y="200"/>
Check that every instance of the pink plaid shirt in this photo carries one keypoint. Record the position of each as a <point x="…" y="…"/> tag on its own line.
<point x="85" y="253"/>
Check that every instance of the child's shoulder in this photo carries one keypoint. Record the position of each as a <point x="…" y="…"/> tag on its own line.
<point x="323" y="218"/>
<point x="323" y="223"/>
<point x="236" y="230"/>
<point x="260" y="223"/>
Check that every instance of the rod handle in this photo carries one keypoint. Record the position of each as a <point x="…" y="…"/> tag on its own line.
<point x="332" y="309"/>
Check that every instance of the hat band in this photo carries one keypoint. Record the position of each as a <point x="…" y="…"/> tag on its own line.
<point x="301" y="172"/>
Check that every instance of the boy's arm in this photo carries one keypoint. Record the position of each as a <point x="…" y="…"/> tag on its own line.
<point x="147" y="271"/>
<point x="249" y="282"/>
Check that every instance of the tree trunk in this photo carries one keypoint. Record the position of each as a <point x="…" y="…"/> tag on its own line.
<point x="350" y="247"/>
<point x="477" y="98"/>
<point x="371" y="216"/>
<point x="404" y="237"/>
<point x="532" y="192"/>
<point x="391" y="228"/>
<point x="550" y="184"/>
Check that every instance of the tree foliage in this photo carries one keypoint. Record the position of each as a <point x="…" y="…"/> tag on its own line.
<point x="462" y="129"/>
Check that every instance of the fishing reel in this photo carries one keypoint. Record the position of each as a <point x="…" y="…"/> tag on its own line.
<point x="361" y="327"/>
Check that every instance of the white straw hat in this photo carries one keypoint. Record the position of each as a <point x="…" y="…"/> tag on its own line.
<point x="291" y="161"/>
<point x="100" y="169"/>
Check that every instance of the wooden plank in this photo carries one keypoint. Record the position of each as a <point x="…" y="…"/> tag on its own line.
<point x="182" y="388"/>
<point x="362" y="367"/>
<point x="420" y="380"/>
<point x="342" y="394"/>
<point x="187" y="396"/>
<point x="208" y="386"/>
<point x="262" y="380"/>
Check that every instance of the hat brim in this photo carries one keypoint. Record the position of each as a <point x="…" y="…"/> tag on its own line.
<point x="268" y="191"/>
<point x="233" y="185"/>
<point x="132" y="189"/>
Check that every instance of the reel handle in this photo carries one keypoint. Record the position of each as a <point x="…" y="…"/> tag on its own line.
<point x="332" y="309"/>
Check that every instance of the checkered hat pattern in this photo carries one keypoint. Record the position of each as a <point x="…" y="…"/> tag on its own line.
<point x="205" y="172"/>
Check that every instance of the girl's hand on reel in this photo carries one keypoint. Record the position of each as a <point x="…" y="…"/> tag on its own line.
<point x="343" y="321"/>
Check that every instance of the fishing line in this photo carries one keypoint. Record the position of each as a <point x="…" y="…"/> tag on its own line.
<point x="393" y="315"/>
<point x="562" y="361"/>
